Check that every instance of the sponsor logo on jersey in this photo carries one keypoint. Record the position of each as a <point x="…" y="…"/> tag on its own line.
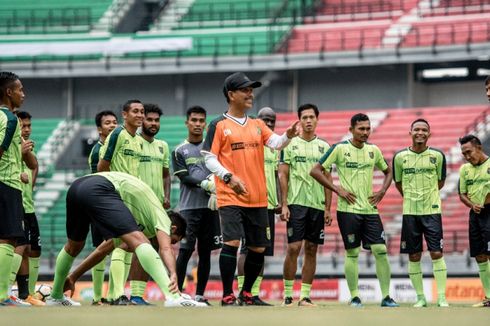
<point x="242" y="145"/>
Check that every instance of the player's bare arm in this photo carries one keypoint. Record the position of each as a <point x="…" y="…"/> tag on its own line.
<point x="466" y="200"/>
<point x="27" y="155"/>
<point x="376" y="197"/>
<point x="283" y="181"/>
<point x="326" y="180"/>
<point x="441" y="183"/>
<point x="328" y="202"/>
<point x="103" y="165"/>
<point x="399" y="187"/>
<point x="167" y="255"/>
<point x="166" y="187"/>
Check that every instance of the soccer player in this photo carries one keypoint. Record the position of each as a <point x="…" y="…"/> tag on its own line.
<point x="121" y="152"/>
<point x="125" y="209"/>
<point x="474" y="188"/>
<point x="154" y="171"/>
<point x="106" y="122"/>
<point x="28" y="249"/>
<point x="234" y="153"/>
<point x="419" y="172"/>
<point x="357" y="213"/>
<point x="305" y="204"/>
<point x="271" y="161"/>
<point x="195" y="187"/>
<point x="13" y="150"/>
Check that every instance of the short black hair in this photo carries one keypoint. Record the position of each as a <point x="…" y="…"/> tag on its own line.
<point x="308" y="106"/>
<point x="195" y="109"/>
<point x="152" y="108"/>
<point x="24" y="115"/>
<point x="7" y="78"/>
<point x="179" y="223"/>
<point x="470" y="139"/>
<point x="128" y="103"/>
<point x="420" y="120"/>
<point x="358" y="118"/>
<point x="98" y="117"/>
<point x="487" y="80"/>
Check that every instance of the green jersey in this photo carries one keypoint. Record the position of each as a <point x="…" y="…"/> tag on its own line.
<point x="123" y="151"/>
<point x="419" y="174"/>
<point x="93" y="157"/>
<point x="154" y="157"/>
<point x="10" y="143"/>
<point x="145" y="207"/>
<point x="271" y="160"/>
<point x="355" y="167"/>
<point x="27" y="199"/>
<point x="474" y="181"/>
<point x="301" y="155"/>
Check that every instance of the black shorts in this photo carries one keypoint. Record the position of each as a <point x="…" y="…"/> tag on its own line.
<point x="479" y="232"/>
<point x="251" y="223"/>
<point x="357" y="228"/>
<point x="306" y="223"/>
<point x="31" y="232"/>
<point x="414" y="226"/>
<point x="203" y="227"/>
<point x="97" y="237"/>
<point x="269" y="251"/>
<point x="93" y="200"/>
<point x="11" y="213"/>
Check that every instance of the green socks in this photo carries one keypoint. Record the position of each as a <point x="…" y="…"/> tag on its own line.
<point x="351" y="267"/>
<point x="33" y="274"/>
<point x="128" y="258"/>
<point x="440" y="275"/>
<point x="305" y="291"/>
<point x="256" y="286"/>
<point x="416" y="276"/>
<point x="98" y="279"/>
<point x="383" y="270"/>
<point x="118" y="271"/>
<point x="6" y="255"/>
<point x="484" y="271"/>
<point x="288" y="288"/>
<point x="240" y="279"/>
<point x="63" y="264"/>
<point x="137" y="288"/>
<point x="152" y="264"/>
<point x="14" y="268"/>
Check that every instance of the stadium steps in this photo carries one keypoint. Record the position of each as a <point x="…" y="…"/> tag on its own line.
<point x="113" y="15"/>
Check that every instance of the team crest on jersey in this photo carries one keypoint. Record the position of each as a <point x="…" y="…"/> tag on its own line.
<point x="161" y="149"/>
<point x="227" y="132"/>
<point x="433" y="160"/>
<point x="126" y="141"/>
<point x="351" y="238"/>
<point x="321" y="149"/>
<point x="185" y="151"/>
<point x="371" y="155"/>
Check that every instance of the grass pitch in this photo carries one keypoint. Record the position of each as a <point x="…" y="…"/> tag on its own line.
<point x="324" y="314"/>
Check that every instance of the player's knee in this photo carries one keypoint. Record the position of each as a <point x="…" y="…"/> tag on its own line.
<point x="416" y="257"/>
<point x="379" y="250"/>
<point x="353" y="252"/>
<point x="294" y="249"/>
<point x="73" y="248"/>
<point x="310" y="248"/>
<point x="481" y="258"/>
<point x="435" y="255"/>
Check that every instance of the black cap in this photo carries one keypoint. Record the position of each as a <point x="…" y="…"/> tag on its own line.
<point x="239" y="80"/>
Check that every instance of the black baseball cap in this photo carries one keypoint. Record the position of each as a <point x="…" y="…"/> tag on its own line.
<point x="239" y="80"/>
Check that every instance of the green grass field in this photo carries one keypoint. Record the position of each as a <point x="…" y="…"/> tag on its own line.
<point x="325" y="314"/>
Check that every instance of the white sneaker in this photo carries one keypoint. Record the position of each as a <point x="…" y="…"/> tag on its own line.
<point x="65" y="301"/>
<point x="184" y="301"/>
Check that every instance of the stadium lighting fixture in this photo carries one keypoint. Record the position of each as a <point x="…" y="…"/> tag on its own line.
<point x="483" y="72"/>
<point x="445" y="73"/>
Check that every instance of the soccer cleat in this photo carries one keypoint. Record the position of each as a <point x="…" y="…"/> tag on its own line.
<point x="13" y="301"/>
<point x="256" y="301"/>
<point x="306" y="302"/>
<point x="183" y="302"/>
<point x="441" y="302"/>
<point x="244" y="299"/>
<point x="482" y="304"/>
<point x="139" y="301"/>
<point x="229" y="300"/>
<point x="389" y="302"/>
<point x="101" y="302"/>
<point x="65" y="301"/>
<point x="122" y="301"/>
<point x="34" y="302"/>
<point x="421" y="303"/>
<point x="288" y="302"/>
<point x="355" y="302"/>
<point x="202" y="299"/>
